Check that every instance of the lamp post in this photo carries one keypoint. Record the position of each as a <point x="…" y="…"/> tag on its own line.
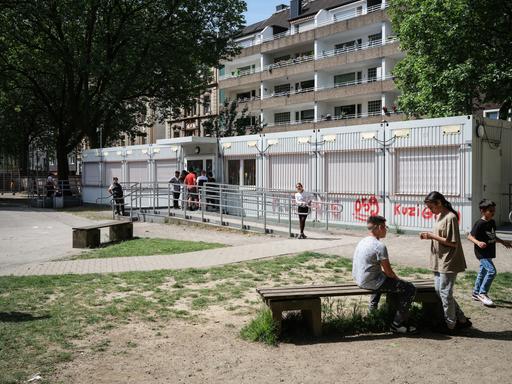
<point x="151" y="151"/>
<point x="385" y="144"/>
<point x="261" y="151"/>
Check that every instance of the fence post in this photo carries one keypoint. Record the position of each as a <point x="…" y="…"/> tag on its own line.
<point x="242" y="210"/>
<point x="290" y="216"/>
<point x="327" y="215"/>
<point x="169" y="199"/>
<point x="203" y="206"/>
<point x="264" y="212"/>
<point x="220" y="206"/>
<point x="185" y="201"/>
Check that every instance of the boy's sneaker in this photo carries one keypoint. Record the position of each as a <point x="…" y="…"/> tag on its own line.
<point x="403" y="329"/>
<point x="474" y="296"/>
<point x="486" y="300"/>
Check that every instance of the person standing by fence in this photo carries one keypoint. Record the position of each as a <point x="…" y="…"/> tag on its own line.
<point x="303" y="201"/>
<point x="176" y="189"/>
<point x="446" y="258"/>
<point x="50" y="186"/>
<point x="117" y="195"/>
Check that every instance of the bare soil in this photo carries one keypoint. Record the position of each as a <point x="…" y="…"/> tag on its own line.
<point x="209" y="349"/>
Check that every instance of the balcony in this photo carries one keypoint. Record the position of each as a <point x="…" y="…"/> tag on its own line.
<point x="356" y="88"/>
<point x="327" y="59"/>
<point x="300" y="96"/>
<point x="252" y="104"/>
<point x="337" y="121"/>
<point x="320" y="24"/>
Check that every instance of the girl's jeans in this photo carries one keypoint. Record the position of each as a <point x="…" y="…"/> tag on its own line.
<point x="444" y="283"/>
<point x="486" y="275"/>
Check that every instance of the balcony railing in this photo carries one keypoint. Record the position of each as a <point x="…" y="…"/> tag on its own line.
<point x="337" y="85"/>
<point x="258" y="40"/>
<point x="355" y="47"/>
<point x="329" y="117"/>
<point x="304" y="59"/>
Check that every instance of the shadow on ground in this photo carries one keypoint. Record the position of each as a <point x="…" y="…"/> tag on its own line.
<point x="20" y="317"/>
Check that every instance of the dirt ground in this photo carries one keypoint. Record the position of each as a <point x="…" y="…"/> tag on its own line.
<point x="210" y="350"/>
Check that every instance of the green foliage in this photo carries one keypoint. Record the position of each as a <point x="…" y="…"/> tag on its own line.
<point x="458" y="55"/>
<point x="262" y="328"/>
<point x="147" y="247"/>
<point x="232" y="121"/>
<point x="96" y="65"/>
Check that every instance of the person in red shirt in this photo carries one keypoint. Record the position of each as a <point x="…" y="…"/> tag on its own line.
<point x="191" y="185"/>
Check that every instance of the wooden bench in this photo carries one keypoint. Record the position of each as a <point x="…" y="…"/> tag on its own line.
<point x="307" y="300"/>
<point x="89" y="236"/>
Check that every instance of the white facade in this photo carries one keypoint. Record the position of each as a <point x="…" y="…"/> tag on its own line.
<point x="351" y="166"/>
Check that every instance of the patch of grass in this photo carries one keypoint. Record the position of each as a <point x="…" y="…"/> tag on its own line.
<point x="43" y="317"/>
<point x="262" y="328"/>
<point x="146" y="247"/>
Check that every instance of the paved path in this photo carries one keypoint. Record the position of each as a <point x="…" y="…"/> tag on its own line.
<point x="31" y="238"/>
<point x="200" y="259"/>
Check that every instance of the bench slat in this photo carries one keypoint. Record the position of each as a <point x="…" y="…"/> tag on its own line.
<point x="102" y="225"/>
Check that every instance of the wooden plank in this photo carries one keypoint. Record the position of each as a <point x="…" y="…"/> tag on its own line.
<point x="104" y="225"/>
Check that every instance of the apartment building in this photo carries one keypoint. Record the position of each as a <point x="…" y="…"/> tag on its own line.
<point x="316" y="64"/>
<point x="190" y="120"/>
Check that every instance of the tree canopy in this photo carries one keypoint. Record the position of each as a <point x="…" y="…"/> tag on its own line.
<point x="458" y="55"/>
<point x="93" y="65"/>
<point x="232" y="122"/>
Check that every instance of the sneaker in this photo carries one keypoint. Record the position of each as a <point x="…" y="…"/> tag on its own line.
<point x="301" y="236"/>
<point x="485" y="300"/>
<point x="474" y="296"/>
<point x="403" y="329"/>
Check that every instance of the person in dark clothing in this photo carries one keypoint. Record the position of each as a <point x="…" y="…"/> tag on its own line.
<point x="483" y="235"/>
<point x="211" y="193"/>
<point x="176" y="189"/>
<point x="50" y="186"/>
<point x="117" y="194"/>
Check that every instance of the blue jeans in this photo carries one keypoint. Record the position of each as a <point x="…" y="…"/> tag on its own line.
<point x="444" y="283"/>
<point x="486" y="275"/>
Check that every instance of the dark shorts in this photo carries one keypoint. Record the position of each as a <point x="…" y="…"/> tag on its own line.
<point x="303" y="210"/>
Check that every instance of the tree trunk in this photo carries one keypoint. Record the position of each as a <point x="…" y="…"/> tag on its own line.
<point x="62" y="162"/>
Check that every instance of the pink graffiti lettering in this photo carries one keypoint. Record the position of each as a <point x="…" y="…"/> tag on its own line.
<point x="365" y="207"/>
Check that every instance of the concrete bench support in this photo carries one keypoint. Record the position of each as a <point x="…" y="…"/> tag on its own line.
<point x="86" y="238"/>
<point x="121" y="232"/>
<point x="310" y="309"/>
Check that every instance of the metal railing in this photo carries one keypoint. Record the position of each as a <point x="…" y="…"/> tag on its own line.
<point x="244" y="207"/>
<point x="356" y="47"/>
<point x="329" y="21"/>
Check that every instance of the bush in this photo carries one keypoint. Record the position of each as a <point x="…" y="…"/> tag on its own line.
<point x="262" y="328"/>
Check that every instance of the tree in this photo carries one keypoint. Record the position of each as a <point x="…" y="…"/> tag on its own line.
<point x="97" y="64"/>
<point x="458" y="55"/>
<point x="232" y="122"/>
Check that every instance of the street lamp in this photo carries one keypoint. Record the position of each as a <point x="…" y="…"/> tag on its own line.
<point x="262" y="151"/>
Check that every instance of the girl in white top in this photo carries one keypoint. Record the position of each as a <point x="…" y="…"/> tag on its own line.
<point x="303" y="201"/>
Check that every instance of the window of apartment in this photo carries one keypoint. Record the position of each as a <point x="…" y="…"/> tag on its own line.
<point x="372" y="74"/>
<point x="345" y="111"/>
<point x="234" y="172"/>
<point x="492" y="114"/>
<point x="347" y="79"/>
<point x="281" y="118"/>
<point x="222" y="71"/>
<point x="375" y="39"/>
<point x="305" y="85"/>
<point x="246" y="70"/>
<point x="302" y="54"/>
<point x="348" y="46"/>
<point x="282" y="88"/>
<point x="206" y="104"/>
<point x="307" y="115"/>
<point x="374" y="107"/>
<point x="250" y="172"/>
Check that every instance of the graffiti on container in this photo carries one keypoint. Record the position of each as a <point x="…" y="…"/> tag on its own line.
<point x="335" y="210"/>
<point x="365" y="207"/>
<point x="412" y="211"/>
<point x="415" y="211"/>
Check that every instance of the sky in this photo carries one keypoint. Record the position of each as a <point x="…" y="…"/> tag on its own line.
<point x="258" y="10"/>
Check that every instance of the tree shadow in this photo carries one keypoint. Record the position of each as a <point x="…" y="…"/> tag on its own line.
<point x="20" y="317"/>
<point x="502" y="303"/>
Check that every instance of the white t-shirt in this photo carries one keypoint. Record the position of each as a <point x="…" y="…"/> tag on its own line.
<point x="302" y="199"/>
<point x="366" y="269"/>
